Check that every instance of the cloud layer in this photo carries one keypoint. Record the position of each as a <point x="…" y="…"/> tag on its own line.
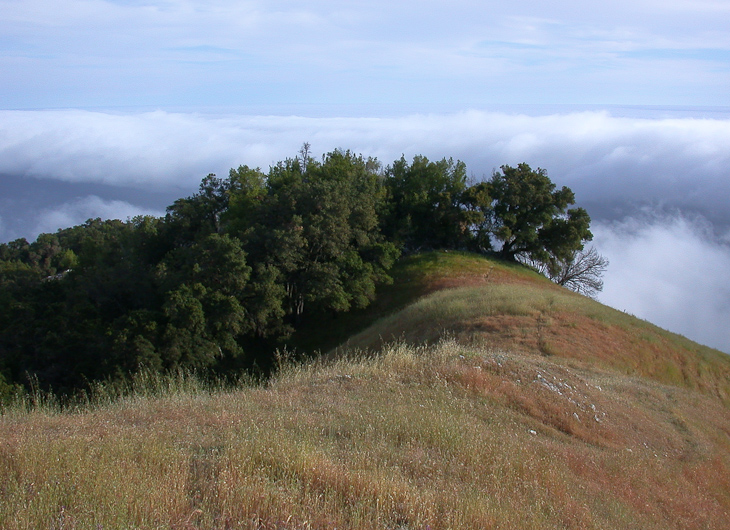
<point x="668" y="266"/>
<point x="607" y="160"/>
<point x="669" y="270"/>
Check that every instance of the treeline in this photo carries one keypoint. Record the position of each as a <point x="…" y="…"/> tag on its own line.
<point x="227" y="275"/>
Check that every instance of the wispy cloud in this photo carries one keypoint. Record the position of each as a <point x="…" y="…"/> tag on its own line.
<point x="670" y="270"/>
<point x="177" y="52"/>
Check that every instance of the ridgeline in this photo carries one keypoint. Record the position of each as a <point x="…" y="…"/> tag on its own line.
<point x="477" y="395"/>
<point x="230" y="274"/>
<point x="337" y="345"/>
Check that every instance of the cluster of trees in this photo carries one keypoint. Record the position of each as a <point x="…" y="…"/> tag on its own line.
<point x="229" y="272"/>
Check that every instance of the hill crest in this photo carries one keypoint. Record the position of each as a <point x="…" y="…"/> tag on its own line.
<point x="504" y="306"/>
<point x="465" y="420"/>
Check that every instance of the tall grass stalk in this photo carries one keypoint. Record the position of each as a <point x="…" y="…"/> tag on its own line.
<point x="139" y="386"/>
<point x="446" y="436"/>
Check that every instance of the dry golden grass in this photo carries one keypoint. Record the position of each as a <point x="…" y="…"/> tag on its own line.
<point x="446" y="436"/>
<point x="503" y="402"/>
<point x="529" y="314"/>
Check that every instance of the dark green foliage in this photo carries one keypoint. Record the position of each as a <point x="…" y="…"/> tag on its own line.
<point x="316" y="230"/>
<point x="201" y="213"/>
<point x="230" y="272"/>
<point x="425" y="207"/>
<point x="204" y="285"/>
<point x="477" y="211"/>
<point x="61" y="327"/>
<point x="531" y="218"/>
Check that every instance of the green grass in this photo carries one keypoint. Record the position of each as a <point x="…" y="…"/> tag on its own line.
<point x="525" y="312"/>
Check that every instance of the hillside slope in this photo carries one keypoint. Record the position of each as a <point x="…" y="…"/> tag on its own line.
<point x="503" y="401"/>
<point x="478" y="300"/>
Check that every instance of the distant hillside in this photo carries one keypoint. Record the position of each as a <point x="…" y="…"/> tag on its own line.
<point x="472" y="395"/>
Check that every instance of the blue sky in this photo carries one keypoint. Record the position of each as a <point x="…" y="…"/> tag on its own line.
<point x="116" y="108"/>
<point x="425" y="56"/>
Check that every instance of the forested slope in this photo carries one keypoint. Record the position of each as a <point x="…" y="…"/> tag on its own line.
<point x="230" y="274"/>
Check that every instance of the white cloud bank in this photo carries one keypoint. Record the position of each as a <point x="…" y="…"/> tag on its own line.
<point x="671" y="271"/>
<point x="607" y="159"/>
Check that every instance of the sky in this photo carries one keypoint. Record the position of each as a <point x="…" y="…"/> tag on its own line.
<point x="116" y="108"/>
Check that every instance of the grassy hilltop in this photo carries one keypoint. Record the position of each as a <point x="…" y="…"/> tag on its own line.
<point x="471" y="394"/>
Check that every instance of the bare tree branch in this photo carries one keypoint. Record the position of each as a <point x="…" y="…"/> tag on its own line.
<point x="581" y="273"/>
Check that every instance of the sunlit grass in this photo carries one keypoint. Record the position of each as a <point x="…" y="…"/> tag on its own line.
<point x="446" y="436"/>
<point x="413" y="277"/>
<point x="485" y="398"/>
<point x="533" y="318"/>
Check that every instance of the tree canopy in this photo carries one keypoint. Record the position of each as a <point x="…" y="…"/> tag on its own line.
<point x="531" y="218"/>
<point x="424" y="207"/>
<point x="228" y="273"/>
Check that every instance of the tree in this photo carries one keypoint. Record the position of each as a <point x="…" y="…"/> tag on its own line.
<point x="476" y="202"/>
<point x="204" y="286"/>
<point x="247" y="189"/>
<point x="425" y="203"/>
<point x="199" y="215"/>
<point x="313" y="228"/>
<point x="581" y="272"/>
<point x="531" y="218"/>
<point x="304" y="155"/>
